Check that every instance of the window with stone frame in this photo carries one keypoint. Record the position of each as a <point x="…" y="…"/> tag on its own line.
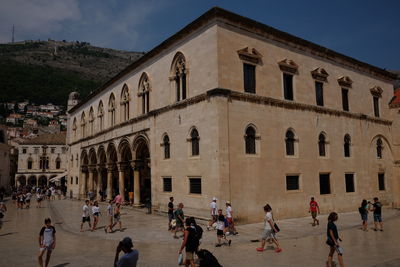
<point x="345" y="99"/>
<point x="91" y="121"/>
<point x="324" y="183"/>
<point x="249" y="78"/>
<point x="100" y="115"/>
<point x="250" y="140"/>
<point x="58" y="163"/>
<point x="349" y="182"/>
<point x="322" y="145"/>
<point x="376" y="92"/>
<point x="74" y="129"/>
<point x="167" y="184"/>
<point x="83" y="125"/>
<point x="30" y="163"/>
<point x="288" y="86"/>
<point x="179" y="76"/>
<point x="195" y="186"/>
<point x="195" y="142"/>
<point x="290" y="143"/>
<point x="379" y="148"/>
<point x="292" y="182"/>
<point x="381" y="181"/>
<point x="346" y="146"/>
<point x="319" y="93"/>
<point x="144" y="93"/>
<point x="166" y="146"/>
<point x="111" y="110"/>
<point x="125" y="98"/>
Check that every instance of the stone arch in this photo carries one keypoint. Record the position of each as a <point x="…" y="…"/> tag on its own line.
<point x="142" y="173"/>
<point x="111" y="110"/>
<point x="21" y="180"/>
<point x="179" y="72"/>
<point x="32" y="180"/>
<point x="92" y="157"/>
<point x="84" y="158"/>
<point x="250" y="136"/>
<point x="91" y="121"/>
<point x="42" y="181"/>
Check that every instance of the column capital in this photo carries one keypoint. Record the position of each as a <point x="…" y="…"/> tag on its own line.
<point x="100" y="167"/>
<point x="122" y="166"/>
<point x="84" y="168"/>
<point x="92" y="168"/>
<point x="110" y="167"/>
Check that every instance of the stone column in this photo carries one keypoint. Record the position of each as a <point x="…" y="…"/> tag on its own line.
<point x="99" y="185"/>
<point x="82" y="183"/>
<point x="37" y="181"/>
<point x="121" y="172"/>
<point x="109" y="181"/>
<point x="136" y="184"/>
<point x="90" y="182"/>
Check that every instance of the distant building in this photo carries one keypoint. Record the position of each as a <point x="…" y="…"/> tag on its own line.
<point x="40" y="159"/>
<point x="5" y="177"/>
<point x="14" y="118"/>
<point x="30" y="123"/>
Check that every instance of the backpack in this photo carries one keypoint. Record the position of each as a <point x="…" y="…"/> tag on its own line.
<point x="199" y="231"/>
<point x="207" y="259"/>
<point x="361" y="210"/>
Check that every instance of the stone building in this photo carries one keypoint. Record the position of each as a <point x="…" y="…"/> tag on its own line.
<point x="42" y="159"/>
<point x="5" y="150"/>
<point x="232" y="108"/>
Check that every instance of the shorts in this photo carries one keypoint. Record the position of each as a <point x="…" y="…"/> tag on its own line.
<point x="377" y="217"/>
<point x="48" y="248"/>
<point x="268" y="234"/>
<point x="28" y="201"/>
<point x="117" y="219"/>
<point x="189" y="255"/>
<point x="96" y="214"/>
<point x="85" y="219"/>
<point x="314" y="214"/>
<point x="179" y="223"/>
<point x="364" y="217"/>
<point x="230" y="220"/>
<point x="170" y="217"/>
<point x="220" y="232"/>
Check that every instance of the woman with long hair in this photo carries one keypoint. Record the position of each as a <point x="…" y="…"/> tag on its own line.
<point x="364" y="215"/>
<point x="333" y="239"/>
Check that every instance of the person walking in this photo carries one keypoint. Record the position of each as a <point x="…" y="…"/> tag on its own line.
<point x="363" y="209"/>
<point x="117" y="216"/>
<point x="28" y="197"/>
<point x="270" y="231"/>
<point x="131" y="256"/>
<point x="110" y="216"/>
<point x="170" y="212"/>
<point x="333" y="240"/>
<point x="221" y="229"/>
<point x="118" y="199"/>
<point x="314" y="208"/>
<point x="180" y="218"/>
<point x="85" y="215"/>
<point x="96" y="214"/>
<point x="47" y="241"/>
<point x="3" y="210"/>
<point x="39" y="198"/>
<point x="377" y="210"/>
<point x="213" y="211"/>
<point x="229" y="218"/>
<point x="190" y="243"/>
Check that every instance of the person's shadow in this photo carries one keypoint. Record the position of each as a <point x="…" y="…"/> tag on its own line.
<point x="62" y="264"/>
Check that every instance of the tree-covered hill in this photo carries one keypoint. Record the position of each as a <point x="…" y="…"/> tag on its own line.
<point x="48" y="71"/>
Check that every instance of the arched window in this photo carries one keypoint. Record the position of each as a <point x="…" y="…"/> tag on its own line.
<point x="83" y="125"/>
<point x="100" y="115"/>
<point x="58" y="163"/>
<point x="347" y="143"/>
<point x="179" y="76"/>
<point x="166" y="146"/>
<point x="74" y="129"/>
<point x="194" y="139"/>
<point x="379" y="148"/>
<point x="91" y="121"/>
<point x="111" y="110"/>
<point x="289" y="140"/>
<point x="30" y="162"/>
<point x="250" y="140"/>
<point x="125" y="103"/>
<point x="144" y="93"/>
<point x="322" y="145"/>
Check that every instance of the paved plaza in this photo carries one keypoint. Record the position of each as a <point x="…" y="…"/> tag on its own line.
<point x="303" y="244"/>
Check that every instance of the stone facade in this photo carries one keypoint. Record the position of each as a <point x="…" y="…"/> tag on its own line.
<point x="5" y="150"/>
<point x="40" y="159"/>
<point x="205" y="114"/>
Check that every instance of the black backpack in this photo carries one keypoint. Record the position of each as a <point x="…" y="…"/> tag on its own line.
<point x="207" y="259"/>
<point x="199" y="231"/>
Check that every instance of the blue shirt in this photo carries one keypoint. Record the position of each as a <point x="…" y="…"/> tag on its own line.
<point x="129" y="259"/>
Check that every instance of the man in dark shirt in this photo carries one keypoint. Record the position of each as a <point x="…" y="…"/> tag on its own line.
<point x="170" y="212"/>
<point x="131" y="256"/>
<point x="377" y="208"/>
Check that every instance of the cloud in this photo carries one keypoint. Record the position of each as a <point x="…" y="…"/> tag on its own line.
<point x="35" y="18"/>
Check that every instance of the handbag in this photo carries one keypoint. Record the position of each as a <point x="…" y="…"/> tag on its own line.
<point x="276" y="228"/>
<point x="173" y="222"/>
<point x="180" y="259"/>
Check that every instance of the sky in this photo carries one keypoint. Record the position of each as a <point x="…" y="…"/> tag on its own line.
<point x="367" y="30"/>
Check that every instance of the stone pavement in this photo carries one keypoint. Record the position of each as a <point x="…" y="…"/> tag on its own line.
<point x="303" y="245"/>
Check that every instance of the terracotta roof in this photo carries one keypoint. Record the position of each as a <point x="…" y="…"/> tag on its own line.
<point x="47" y="139"/>
<point x="395" y="101"/>
<point x="223" y="16"/>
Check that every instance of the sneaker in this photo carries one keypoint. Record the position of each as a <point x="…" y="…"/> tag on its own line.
<point x="229" y="242"/>
<point x="218" y="245"/>
<point x="260" y="249"/>
<point x="278" y="250"/>
<point x="235" y="233"/>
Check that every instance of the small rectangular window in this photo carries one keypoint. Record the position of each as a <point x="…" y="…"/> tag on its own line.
<point x="292" y="182"/>
<point x="53" y="150"/>
<point x="324" y="184"/>
<point x="288" y="86"/>
<point x="72" y="180"/>
<point x="24" y="151"/>
<point x="249" y="75"/>
<point x="76" y="180"/>
<point x="319" y="93"/>
<point x="345" y="99"/>
<point x="381" y="181"/>
<point x="376" y="106"/>
<point x="195" y="185"/>
<point x="349" y="179"/>
<point x="167" y="184"/>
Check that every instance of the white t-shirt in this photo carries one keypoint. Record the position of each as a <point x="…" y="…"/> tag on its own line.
<point x="213" y="206"/>
<point x="85" y="211"/>
<point x="228" y="212"/>
<point x="95" y="209"/>
<point x="220" y="225"/>
<point x="268" y="217"/>
<point x="110" y="210"/>
<point x="28" y="196"/>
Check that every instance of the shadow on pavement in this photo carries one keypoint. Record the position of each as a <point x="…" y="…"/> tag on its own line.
<point x="10" y="233"/>
<point x="62" y="264"/>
